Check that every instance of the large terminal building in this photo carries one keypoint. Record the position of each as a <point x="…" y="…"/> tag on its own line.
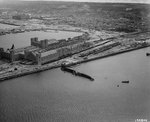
<point x="45" y="51"/>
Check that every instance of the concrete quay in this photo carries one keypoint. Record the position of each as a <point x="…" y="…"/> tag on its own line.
<point x="28" y="72"/>
<point x="107" y="55"/>
<point x="48" y="66"/>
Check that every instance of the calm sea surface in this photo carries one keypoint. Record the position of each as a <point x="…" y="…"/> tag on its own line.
<point x="56" y="96"/>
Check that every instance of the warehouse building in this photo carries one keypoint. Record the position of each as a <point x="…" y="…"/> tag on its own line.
<point x="48" y="56"/>
<point x="44" y="51"/>
<point x="11" y="55"/>
<point x="43" y="43"/>
<point x="21" y="16"/>
<point x="43" y="56"/>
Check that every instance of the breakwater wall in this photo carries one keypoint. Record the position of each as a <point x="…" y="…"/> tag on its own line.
<point x="44" y="68"/>
<point x="37" y="70"/>
<point x="73" y="72"/>
<point x="107" y="55"/>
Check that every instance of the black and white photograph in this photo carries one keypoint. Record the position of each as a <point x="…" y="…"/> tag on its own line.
<point x="74" y="60"/>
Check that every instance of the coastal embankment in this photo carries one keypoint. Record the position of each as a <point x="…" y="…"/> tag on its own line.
<point x="48" y="67"/>
<point x="28" y="72"/>
<point x="107" y="55"/>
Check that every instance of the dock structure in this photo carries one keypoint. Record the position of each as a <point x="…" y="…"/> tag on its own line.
<point x="64" y="68"/>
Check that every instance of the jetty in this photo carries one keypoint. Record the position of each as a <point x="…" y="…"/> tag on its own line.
<point x="84" y="75"/>
<point x="73" y="72"/>
<point x="63" y="68"/>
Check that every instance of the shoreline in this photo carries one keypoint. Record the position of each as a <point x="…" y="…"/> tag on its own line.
<point x="44" y="29"/>
<point x="46" y="67"/>
<point x="107" y="55"/>
<point x="7" y="23"/>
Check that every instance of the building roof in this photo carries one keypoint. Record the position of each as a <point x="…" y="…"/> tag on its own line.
<point x="51" y="41"/>
<point x="29" y="48"/>
<point x="47" y="53"/>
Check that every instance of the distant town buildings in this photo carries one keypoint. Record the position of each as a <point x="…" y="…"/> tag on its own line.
<point x="21" y="16"/>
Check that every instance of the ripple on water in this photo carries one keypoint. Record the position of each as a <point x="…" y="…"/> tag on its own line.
<point x="55" y="96"/>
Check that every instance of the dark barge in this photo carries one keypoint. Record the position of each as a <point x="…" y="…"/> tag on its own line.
<point x="147" y="54"/>
<point x="125" y="81"/>
<point x="64" y="68"/>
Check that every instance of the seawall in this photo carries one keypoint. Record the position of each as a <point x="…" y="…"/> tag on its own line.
<point x="40" y="69"/>
<point x="107" y="55"/>
<point x="44" y="68"/>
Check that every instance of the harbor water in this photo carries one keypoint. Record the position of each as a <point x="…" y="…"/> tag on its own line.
<point x="57" y="96"/>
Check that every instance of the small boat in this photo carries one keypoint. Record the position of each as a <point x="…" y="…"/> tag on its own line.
<point x="147" y="54"/>
<point x="126" y="81"/>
